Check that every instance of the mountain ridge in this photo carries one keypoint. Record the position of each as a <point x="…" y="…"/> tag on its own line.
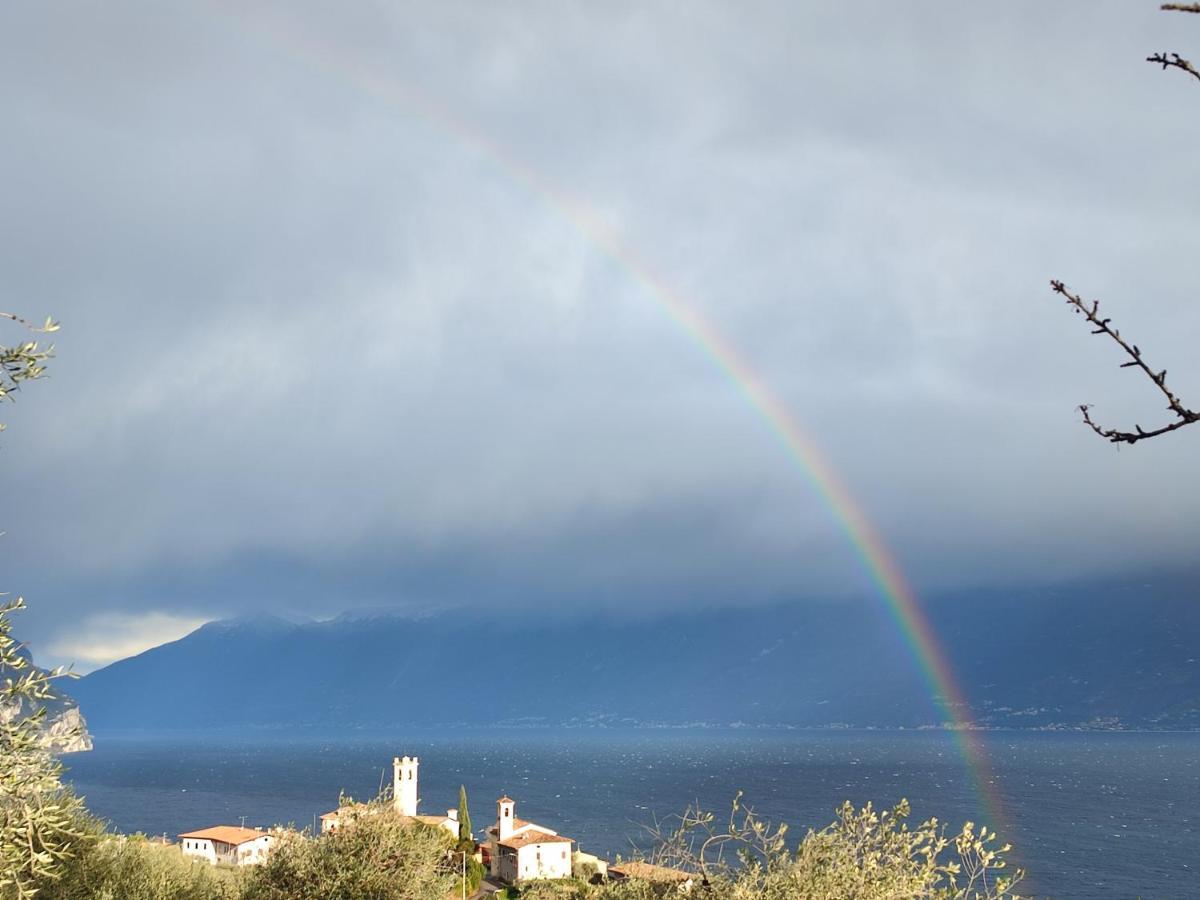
<point x="1085" y="659"/>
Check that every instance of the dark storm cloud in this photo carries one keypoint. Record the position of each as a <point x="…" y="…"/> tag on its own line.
<point x="323" y="351"/>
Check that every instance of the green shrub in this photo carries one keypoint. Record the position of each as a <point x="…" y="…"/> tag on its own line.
<point x="864" y="854"/>
<point x="475" y="873"/>
<point x="37" y="814"/>
<point x="379" y="856"/>
<point x="115" y="867"/>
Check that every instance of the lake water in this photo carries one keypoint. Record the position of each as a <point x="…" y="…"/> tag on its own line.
<point x="1092" y="815"/>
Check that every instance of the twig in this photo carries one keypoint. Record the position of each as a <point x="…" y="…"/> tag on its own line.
<point x="1174" y="60"/>
<point x="47" y="327"/>
<point x="1184" y="415"/>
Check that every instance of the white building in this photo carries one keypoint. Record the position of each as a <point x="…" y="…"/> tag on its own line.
<point x="522" y="851"/>
<point x="227" y="844"/>
<point x="404" y="802"/>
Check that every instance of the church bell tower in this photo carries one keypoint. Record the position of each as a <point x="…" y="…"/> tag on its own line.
<point x="404" y="785"/>
<point x="505" y="814"/>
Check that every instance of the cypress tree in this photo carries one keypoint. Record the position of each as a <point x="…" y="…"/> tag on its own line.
<point x="465" y="833"/>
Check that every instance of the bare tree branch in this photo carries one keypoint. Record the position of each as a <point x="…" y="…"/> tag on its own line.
<point x="1185" y="416"/>
<point x="1174" y="60"/>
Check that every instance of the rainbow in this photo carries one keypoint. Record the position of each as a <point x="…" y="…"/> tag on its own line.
<point x="877" y="561"/>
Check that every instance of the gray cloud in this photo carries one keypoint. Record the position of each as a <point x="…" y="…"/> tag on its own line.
<point x="323" y="348"/>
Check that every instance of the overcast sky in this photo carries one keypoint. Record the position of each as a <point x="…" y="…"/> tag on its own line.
<point x="325" y="346"/>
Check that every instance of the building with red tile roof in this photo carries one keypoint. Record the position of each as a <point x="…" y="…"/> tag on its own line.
<point x="520" y="850"/>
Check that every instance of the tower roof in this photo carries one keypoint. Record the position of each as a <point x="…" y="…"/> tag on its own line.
<point x="506" y="799"/>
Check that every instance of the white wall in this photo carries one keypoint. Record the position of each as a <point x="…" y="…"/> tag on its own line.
<point x="254" y="852"/>
<point x="247" y="854"/>
<point x="544" y="861"/>
<point x="199" y="848"/>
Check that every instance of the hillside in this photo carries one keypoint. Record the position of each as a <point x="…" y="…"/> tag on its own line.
<point x="1120" y="657"/>
<point x="64" y="728"/>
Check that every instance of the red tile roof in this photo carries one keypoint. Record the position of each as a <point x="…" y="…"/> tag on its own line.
<point x="226" y="834"/>
<point x="644" y="871"/>
<point x="525" y="838"/>
<point x="357" y="810"/>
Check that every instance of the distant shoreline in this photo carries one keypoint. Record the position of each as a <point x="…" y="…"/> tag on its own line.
<point x="347" y="733"/>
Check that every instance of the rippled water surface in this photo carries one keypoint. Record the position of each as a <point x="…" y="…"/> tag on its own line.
<point x="1092" y="815"/>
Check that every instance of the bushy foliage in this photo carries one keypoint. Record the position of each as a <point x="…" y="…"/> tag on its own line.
<point x="105" y="866"/>
<point x="625" y="889"/>
<point x="37" y="815"/>
<point x="874" y="854"/>
<point x="379" y="856"/>
<point x="475" y="872"/>
<point x="864" y="854"/>
<point x="24" y="361"/>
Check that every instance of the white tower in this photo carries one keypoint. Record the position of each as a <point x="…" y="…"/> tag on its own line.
<point x="404" y="785"/>
<point x="505" y="813"/>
